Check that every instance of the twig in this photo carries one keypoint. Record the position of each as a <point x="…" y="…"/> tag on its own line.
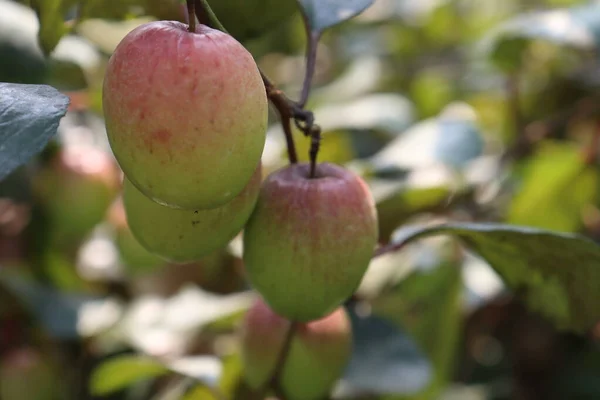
<point x="283" y="106"/>
<point x="311" y="62"/>
<point x="388" y="248"/>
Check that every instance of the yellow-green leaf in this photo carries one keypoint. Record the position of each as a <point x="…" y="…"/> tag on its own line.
<point x="122" y="371"/>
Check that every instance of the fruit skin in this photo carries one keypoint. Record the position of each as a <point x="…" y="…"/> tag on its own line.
<point x="319" y="353"/>
<point x="186" y="113"/>
<point x="249" y="19"/>
<point x="308" y="242"/>
<point x="76" y="189"/>
<point x="187" y="235"/>
<point x="135" y="258"/>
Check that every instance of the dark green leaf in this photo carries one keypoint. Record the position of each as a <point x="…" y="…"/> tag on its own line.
<point x="323" y="14"/>
<point x="385" y="359"/>
<point x="29" y="117"/>
<point x="558" y="273"/>
<point x="246" y="20"/>
<point x="120" y="372"/>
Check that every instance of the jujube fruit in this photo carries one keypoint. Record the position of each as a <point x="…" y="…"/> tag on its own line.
<point x="186" y="113"/>
<point x="309" y="241"/>
<point x="319" y="353"/>
<point x="187" y="235"/>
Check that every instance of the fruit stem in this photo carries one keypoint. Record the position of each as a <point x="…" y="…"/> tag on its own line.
<point x="273" y="382"/>
<point x="191" y="8"/>
<point x="315" y="145"/>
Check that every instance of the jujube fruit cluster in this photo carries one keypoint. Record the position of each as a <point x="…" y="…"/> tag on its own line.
<point x="186" y="117"/>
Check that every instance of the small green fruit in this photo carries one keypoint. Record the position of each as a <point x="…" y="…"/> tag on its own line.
<point x="309" y="242"/>
<point x="249" y="19"/>
<point x="319" y="352"/>
<point x="76" y="189"/>
<point x="187" y="235"/>
<point x="186" y="114"/>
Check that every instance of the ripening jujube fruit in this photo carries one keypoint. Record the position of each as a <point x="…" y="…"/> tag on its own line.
<point x="309" y="241"/>
<point x="319" y="353"/>
<point x="187" y="235"/>
<point x="186" y="113"/>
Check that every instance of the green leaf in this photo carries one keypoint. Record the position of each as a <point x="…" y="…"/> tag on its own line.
<point x="246" y="20"/>
<point x="120" y="372"/>
<point x="556" y="186"/>
<point x="51" y="15"/>
<point x="29" y="117"/>
<point x="557" y="273"/>
<point x="323" y="14"/>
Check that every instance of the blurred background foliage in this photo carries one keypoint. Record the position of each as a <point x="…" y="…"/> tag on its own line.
<point x="453" y="110"/>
